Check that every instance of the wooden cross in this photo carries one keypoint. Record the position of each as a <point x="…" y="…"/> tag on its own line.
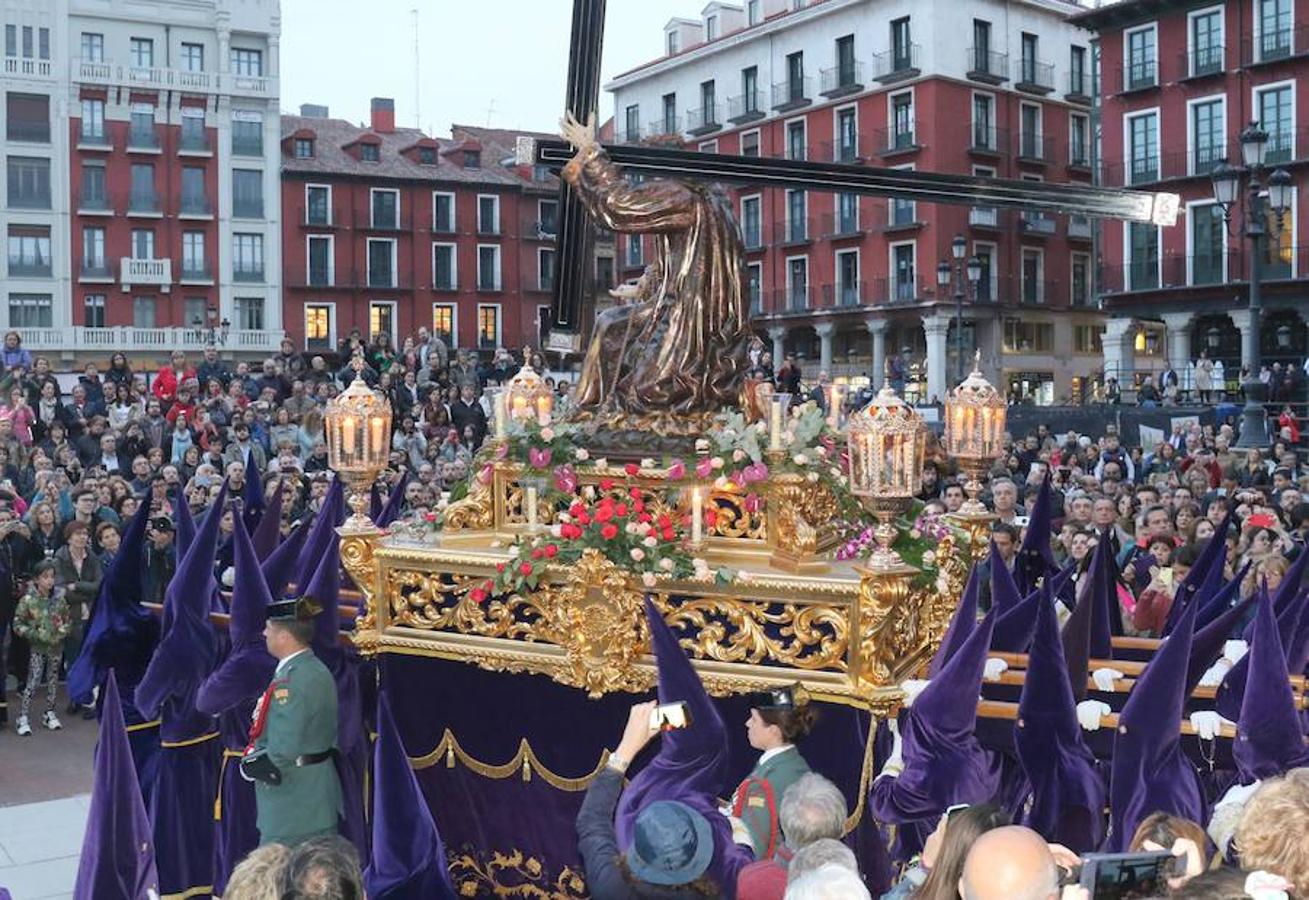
<point x="574" y="284"/>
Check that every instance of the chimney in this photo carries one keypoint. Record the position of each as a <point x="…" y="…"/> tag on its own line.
<point x="313" y="111"/>
<point x="383" y="115"/>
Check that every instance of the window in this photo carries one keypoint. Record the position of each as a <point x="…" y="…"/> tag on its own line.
<point x="752" y="13"/>
<point x="547" y="216"/>
<point x="1142" y="256"/>
<point x="319" y="331"/>
<point x="143" y="243"/>
<point x="318" y="204"/>
<point x="247" y="62"/>
<point x="143" y="312"/>
<point x="797" y="283"/>
<point x="750" y="91"/>
<point x="754" y="287"/>
<point x="193" y="255"/>
<point x="1033" y="268"/>
<point x="981" y="55"/>
<point x="795" y="139"/>
<point x="711" y="28"/>
<point x="668" y="124"/>
<point x="488" y="214"/>
<point x="27" y="42"/>
<point x="984" y="122"/>
<point x="1274" y="106"/>
<point x="193" y="137"/>
<point x="93" y="122"/>
<point x="845" y="61"/>
<point x="1078" y="129"/>
<point x="93" y="251"/>
<point x="247" y="133"/>
<point x="249" y="313"/>
<point x="1088" y="339"/>
<point x="43" y="43"/>
<point x="635" y="256"/>
<point x="93" y="195"/>
<point x="1274" y="27"/>
<point x="370" y="152"/>
<point x="31" y="311"/>
<point x="901" y="45"/>
<point x="381" y="262"/>
<point x="1141" y="58"/>
<point x="795" y="77"/>
<point x="93" y="311"/>
<point x="319" y="253"/>
<point x="142" y="53"/>
<point x="381" y="318"/>
<point x="1207" y="233"/>
<point x="1028" y="337"/>
<point x="141" y="134"/>
<point x="193" y="57"/>
<point x="902" y="120"/>
<point x="708" y="106"/>
<point x="385" y="206"/>
<point x="904" y="283"/>
<point x="545" y="267"/>
<point x="1077" y="81"/>
<point x="848" y="288"/>
<point x="902" y="212"/>
<point x="797" y="225"/>
<point x="1207" y="135"/>
<point x="1143" y="147"/>
<point x="444" y="268"/>
<point x="143" y="198"/>
<point x="488" y="326"/>
<point x="304" y="148"/>
<point x="1279" y="251"/>
<point x="247" y="193"/>
<point x="443" y="213"/>
<point x="443" y="323"/>
<point x="93" y="47"/>
<point x="11" y="40"/>
<point x="29" y="251"/>
<point x="632" y="120"/>
<point x="488" y="267"/>
<point x="672" y="42"/>
<point x="247" y="257"/>
<point x="847" y="136"/>
<point x="986" y="284"/>
<point x="1030" y="60"/>
<point x="427" y="156"/>
<point x="29" y="182"/>
<point x="750" y="143"/>
<point x="194" y="201"/>
<point x="751" y="222"/>
<point x="194" y="312"/>
<point x="28" y="118"/>
<point x="847" y="213"/>
<point x="1029" y="118"/>
<point x="1206" y="42"/>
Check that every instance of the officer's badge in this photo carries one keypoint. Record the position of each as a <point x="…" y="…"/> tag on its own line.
<point x="281" y="695"/>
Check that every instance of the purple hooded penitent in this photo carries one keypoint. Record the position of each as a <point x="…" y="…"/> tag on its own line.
<point x="268" y="533"/>
<point x="1035" y="557"/>
<point x="961" y="624"/>
<point x="395" y="501"/>
<point x="1212" y="557"/>
<point x="1268" y="736"/>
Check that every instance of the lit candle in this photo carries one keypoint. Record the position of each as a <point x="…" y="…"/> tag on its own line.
<point x="379" y="444"/>
<point x="834" y="407"/>
<point x="531" y="508"/>
<point x="520" y="406"/>
<point x="775" y="426"/>
<point x="544" y="404"/>
<point x="987" y="426"/>
<point x="970" y="422"/>
<point x="347" y="436"/>
<point x="697" y="516"/>
<point x="501" y="415"/>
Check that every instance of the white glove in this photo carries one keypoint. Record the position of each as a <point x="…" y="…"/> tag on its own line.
<point x="1234" y="650"/>
<point x="1089" y="713"/>
<point x="894" y="764"/>
<point x="1214" y="675"/>
<point x="1238" y="794"/>
<point x="1207" y="723"/>
<point x="994" y="669"/>
<point x="229" y="576"/>
<point x="912" y="688"/>
<point x="1104" y="679"/>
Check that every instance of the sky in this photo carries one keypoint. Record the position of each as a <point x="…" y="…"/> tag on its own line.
<point x="497" y="62"/>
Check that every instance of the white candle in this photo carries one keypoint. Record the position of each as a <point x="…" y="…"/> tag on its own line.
<point x="544" y="404"/>
<point x="775" y="426"/>
<point x="379" y="436"/>
<point x="348" y="436"/>
<point x="697" y="516"/>
<point x="531" y="507"/>
<point x="520" y="406"/>
<point x="501" y="415"/>
<point x="834" y="407"/>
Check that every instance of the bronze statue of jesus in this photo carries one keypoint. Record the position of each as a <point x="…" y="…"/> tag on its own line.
<point x="676" y="354"/>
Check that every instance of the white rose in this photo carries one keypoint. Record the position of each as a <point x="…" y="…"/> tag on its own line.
<point x="648" y="579"/>
<point x="929" y="557"/>
<point x="637" y="554"/>
<point x="547" y="434"/>
<point x="821" y="451"/>
<point x="650" y="541"/>
<point x="589" y="492"/>
<point x="630" y="528"/>
<point x="647" y="463"/>
<point x="582" y="454"/>
<point x="738" y="454"/>
<point x="666" y="564"/>
<point x="602" y="463"/>
<point x="800" y="459"/>
<point x="716" y="462"/>
<point x="811" y="477"/>
<point x="720" y="483"/>
<point x="556" y="531"/>
<point x="761" y="426"/>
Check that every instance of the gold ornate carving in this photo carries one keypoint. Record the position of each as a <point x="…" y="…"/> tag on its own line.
<point x="734" y="520"/>
<point x="736" y="630"/>
<point x="357" y="559"/>
<point x="513" y="874"/>
<point x="473" y="512"/>
<point x="601" y="622"/>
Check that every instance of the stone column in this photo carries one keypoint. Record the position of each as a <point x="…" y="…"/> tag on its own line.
<point x="877" y="329"/>
<point x="1241" y="319"/>
<point x="778" y="334"/>
<point x="1179" y="338"/>
<point x="825" y="332"/>
<point x="1119" y="352"/>
<point x="937" y="329"/>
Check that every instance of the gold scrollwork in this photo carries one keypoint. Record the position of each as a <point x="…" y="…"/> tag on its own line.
<point x="601" y="622"/>
<point x="734" y="520"/>
<point x="513" y="874"/>
<point x="358" y="562"/>
<point x="473" y="512"/>
<point x="884" y="611"/>
<point x="441" y="602"/>
<point x="731" y="629"/>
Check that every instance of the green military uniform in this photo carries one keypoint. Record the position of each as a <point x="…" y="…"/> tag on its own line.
<point x="757" y="798"/>
<point x="300" y="726"/>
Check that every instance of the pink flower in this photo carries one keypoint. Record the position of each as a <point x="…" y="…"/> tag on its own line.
<point x="677" y="470"/>
<point x="738" y="478"/>
<point x="752" y="503"/>
<point x="485" y="473"/>
<point x="565" y="479"/>
<point x="754" y="472"/>
<point x="538" y="459"/>
<point x="704" y="468"/>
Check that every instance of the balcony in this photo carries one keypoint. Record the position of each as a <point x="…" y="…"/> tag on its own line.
<point x="444" y="226"/>
<point x="489" y="285"/>
<point x="1141" y="75"/>
<point x="850" y="151"/>
<point x="846" y="294"/>
<point x="318" y="276"/>
<point x="247" y="207"/>
<point x="541" y="284"/>
<point x="1033" y="76"/>
<point x="897" y="64"/>
<point x="134" y="272"/>
<point x="903" y="138"/>
<point x="752" y="236"/>
<point x="1038" y="291"/>
<point x="144" y="140"/>
<point x="540" y="229"/>
<point x="987" y="66"/>
<point x="34" y="69"/>
<point x="837" y="225"/>
<point x="792" y="299"/>
<point x="898" y="216"/>
<point x="1035" y="148"/>
<point x="115" y="74"/>
<point x="89" y="139"/>
<point x="38" y="197"/>
<point x="1201" y="62"/>
<point x="746" y="108"/>
<point x="159" y="341"/>
<point x="1036" y="224"/>
<point x="93" y="203"/>
<point x="984" y="217"/>
<point x="793" y="232"/>
<point x="988" y="141"/>
<point x="196" y="272"/>
<point x="842" y="80"/>
<point x="144" y="203"/>
<point x="703" y="120"/>
<point x="196" y="207"/>
<point x="1079" y="228"/>
<point x="95" y="270"/>
<point x="665" y="127"/>
<point x="195" y="143"/>
<point x="904" y="289"/>
<point x="798" y="151"/>
<point x="1079" y="88"/>
<point x="30" y="268"/>
<point x="253" y="273"/>
<point x="1275" y="45"/>
<point x="488" y="228"/>
<point x="792" y="94"/>
<point x="1286" y="145"/>
<point x="1143" y="170"/>
<point x="28" y="132"/>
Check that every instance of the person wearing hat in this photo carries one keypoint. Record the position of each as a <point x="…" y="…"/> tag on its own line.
<point x="160" y="558"/>
<point x="672" y="843"/>
<point x="293" y="739"/>
<point x="777" y="719"/>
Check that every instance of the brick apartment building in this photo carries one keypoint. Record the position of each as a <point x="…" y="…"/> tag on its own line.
<point x="389" y="229"/>
<point x="1180" y="82"/>
<point x="989" y="87"/>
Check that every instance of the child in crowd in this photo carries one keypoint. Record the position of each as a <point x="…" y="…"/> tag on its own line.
<point x="42" y="619"/>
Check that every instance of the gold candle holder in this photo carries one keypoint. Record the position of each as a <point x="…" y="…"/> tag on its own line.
<point x="887" y="443"/>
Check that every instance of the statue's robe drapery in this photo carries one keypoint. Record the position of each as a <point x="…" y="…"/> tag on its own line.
<point x="682" y="351"/>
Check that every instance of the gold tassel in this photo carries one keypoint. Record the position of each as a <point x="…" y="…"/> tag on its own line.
<point x="527" y="769"/>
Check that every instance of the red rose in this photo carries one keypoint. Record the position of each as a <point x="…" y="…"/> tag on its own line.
<point x="551" y="550"/>
<point x="577" y="509"/>
<point x="500" y="567"/>
<point x="606" y="484"/>
<point x="609" y="532"/>
<point x="569" y="531"/>
<point x="488" y="586"/>
<point x="638" y="506"/>
<point x="668" y="534"/>
<point x="604" y="513"/>
<point x="537" y="553"/>
<point x="477" y="595"/>
<point x="583" y="519"/>
<point x="643" y="516"/>
<point x="634" y="493"/>
<point x="430" y="517"/>
<point x="665" y="522"/>
<point x="620" y="509"/>
<point x="711" y="517"/>
<point x="632" y="469"/>
<point x="525" y="569"/>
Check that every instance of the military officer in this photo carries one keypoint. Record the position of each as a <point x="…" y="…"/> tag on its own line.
<point x="778" y="718"/>
<point x="293" y="739"/>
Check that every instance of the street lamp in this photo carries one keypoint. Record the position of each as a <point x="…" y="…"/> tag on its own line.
<point x="217" y="330"/>
<point x="1227" y="187"/>
<point x="972" y="271"/>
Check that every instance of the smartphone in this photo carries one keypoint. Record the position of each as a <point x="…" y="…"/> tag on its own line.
<point x="670" y="717"/>
<point x="1022" y="521"/>
<point x="1121" y="876"/>
<point x="1166" y="575"/>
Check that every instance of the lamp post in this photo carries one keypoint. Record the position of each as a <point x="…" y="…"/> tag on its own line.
<point x="217" y="329"/>
<point x="958" y="272"/>
<point x="1227" y="187"/>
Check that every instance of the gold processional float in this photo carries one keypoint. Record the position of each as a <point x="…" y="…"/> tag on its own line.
<point x="756" y="584"/>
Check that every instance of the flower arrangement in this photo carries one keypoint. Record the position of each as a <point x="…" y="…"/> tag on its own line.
<point x="919" y="534"/>
<point x="420" y="526"/>
<point x="540" y="447"/>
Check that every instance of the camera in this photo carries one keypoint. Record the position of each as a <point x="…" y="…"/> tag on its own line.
<point x="670" y="717"/>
